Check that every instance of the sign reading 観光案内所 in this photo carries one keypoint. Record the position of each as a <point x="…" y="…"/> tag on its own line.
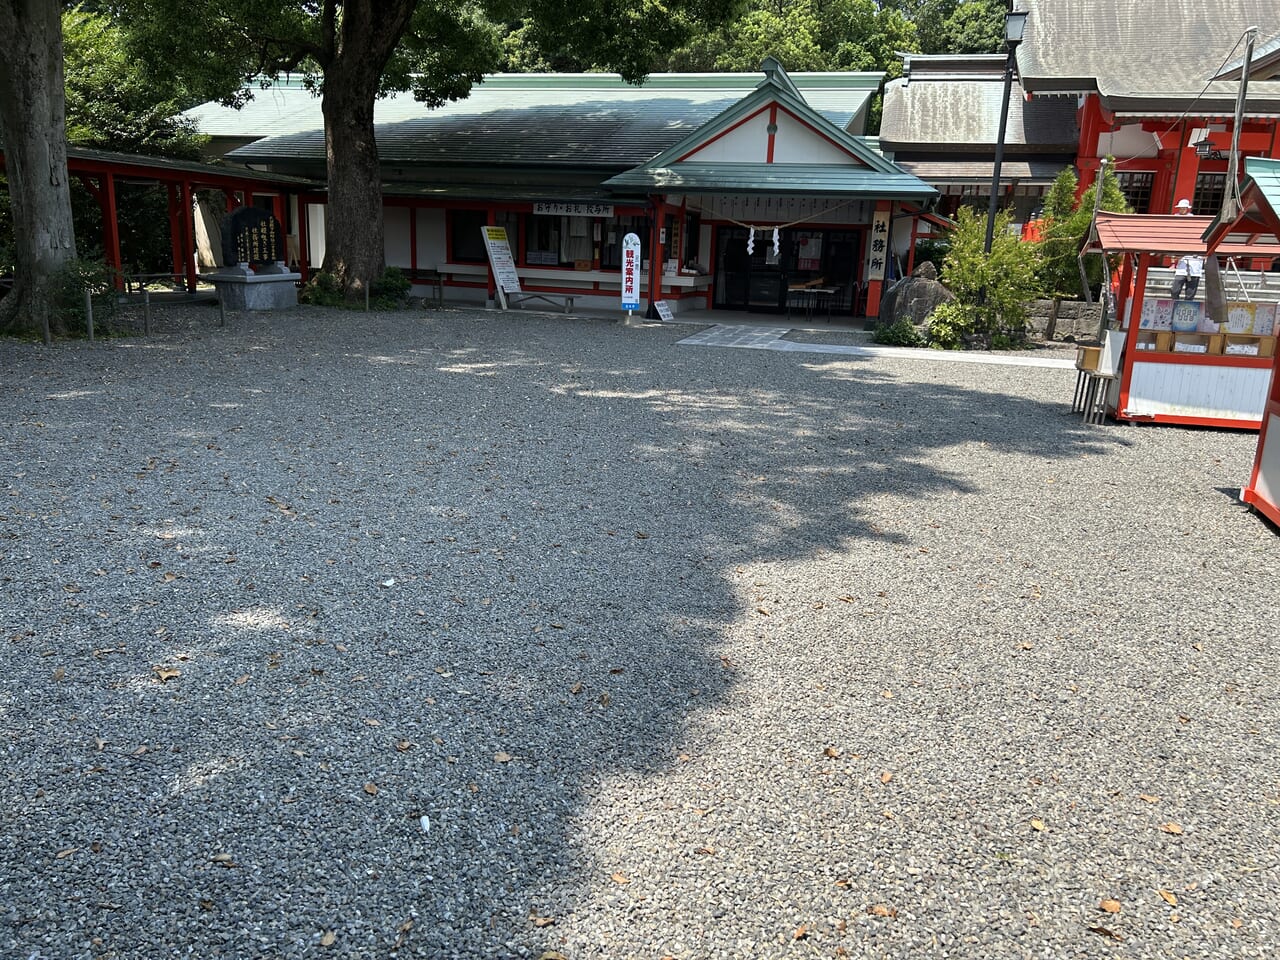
<point x="631" y="272"/>
<point x="555" y="209"/>
<point x="501" y="260"/>
<point x="251" y="235"/>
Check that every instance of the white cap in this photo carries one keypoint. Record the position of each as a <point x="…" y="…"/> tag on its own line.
<point x="1184" y="202"/>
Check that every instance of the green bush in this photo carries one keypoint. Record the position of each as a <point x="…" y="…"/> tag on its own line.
<point x="991" y="289"/>
<point x="322" y="290"/>
<point x="1066" y="224"/>
<point x="67" y="296"/>
<point x="389" y="291"/>
<point x="900" y="333"/>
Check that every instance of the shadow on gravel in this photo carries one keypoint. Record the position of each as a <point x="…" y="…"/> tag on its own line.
<point x="312" y="630"/>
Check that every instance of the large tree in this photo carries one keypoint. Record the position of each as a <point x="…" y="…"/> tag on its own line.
<point x="353" y="51"/>
<point x="33" y="128"/>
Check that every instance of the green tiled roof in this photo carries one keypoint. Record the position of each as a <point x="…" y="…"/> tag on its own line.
<point x="583" y="120"/>
<point x="1260" y="189"/>
<point x="778" y="179"/>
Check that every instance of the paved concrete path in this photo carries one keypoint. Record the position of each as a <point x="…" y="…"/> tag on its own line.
<point x="771" y="338"/>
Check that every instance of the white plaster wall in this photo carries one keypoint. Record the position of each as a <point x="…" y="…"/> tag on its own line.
<point x="431" y="242"/>
<point x="1129" y="141"/>
<point x="704" y="245"/>
<point x="797" y="143"/>
<point x="748" y="143"/>
<point x="396" y="236"/>
<point x="315" y="233"/>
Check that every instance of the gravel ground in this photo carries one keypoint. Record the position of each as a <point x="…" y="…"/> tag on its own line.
<point x="464" y="635"/>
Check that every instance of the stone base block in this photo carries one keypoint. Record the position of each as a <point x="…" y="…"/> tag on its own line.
<point x="240" y="290"/>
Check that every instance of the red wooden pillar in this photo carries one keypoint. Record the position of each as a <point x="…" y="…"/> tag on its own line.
<point x="277" y="208"/>
<point x="655" y="254"/>
<point x="304" y="251"/>
<point x="876" y="287"/>
<point x="492" y="220"/>
<point x="175" y="228"/>
<point x="189" y="237"/>
<point x="111" y="228"/>
<point x="1185" y="172"/>
<point x="413" y="240"/>
<point x="1131" y="338"/>
<point x="229" y="195"/>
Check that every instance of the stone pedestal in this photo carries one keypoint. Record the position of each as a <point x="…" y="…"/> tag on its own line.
<point x="273" y="287"/>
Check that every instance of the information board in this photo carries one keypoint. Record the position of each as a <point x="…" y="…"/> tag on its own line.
<point x="664" y="310"/>
<point x="501" y="260"/>
<point x="631" y="272"/>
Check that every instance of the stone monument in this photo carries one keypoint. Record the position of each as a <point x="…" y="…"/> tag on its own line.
<point x="253" y="241"/>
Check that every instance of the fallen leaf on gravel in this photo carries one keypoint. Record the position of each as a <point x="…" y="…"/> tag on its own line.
<point x="502" y="757"/>
<point x="846" y="598"/>
<point x="762" y="611"/>
<point x="882" y="910"/>
<point x="170" y="577"/>
<point x="542" y="921"/>
<point x="888" y="814"/>
<point x="96" y="846"/>
<point x="370" y="722"/>
<point x="1037" y="825"/>
<point x="1174" y="918"/>
<point x="831" y="753"/>
<point x="641" y="535"/>
<point x="844" y="883"/>
<point x="616" y="670"/>
<point x="801" y="933"/>
<point x="242" y="680"/>
<point x="328" y="938"/>
<point x="63" y="854"/>
<point x="887" y="694"/>
<point x="340" y="647"/>
<point x="552" y="955"/>
<point x="1236" y="923"/>
<point x="206" y="904"/>
<point x="371" y="789"/>
<point x="604" y="699"/>
<point x="140" y="751"/>
<point x="621" y="878"/>
<point x="1104" y="932"/>
<point x="1149" y="798"/>
<point x="1169" y="897"/>
<point x="708" y="851"/>
<point x="1026" y="646"/>
<point x="1109" y="906"/>
<point x="576" y="689"/>
<point x="166" y="673"/>
<point x="1171" y="827"/>
<point x="403" y="745"/>
<point x="60" y="674"/>
<point x="223" y="860"/>
<point x="886" y="776"/>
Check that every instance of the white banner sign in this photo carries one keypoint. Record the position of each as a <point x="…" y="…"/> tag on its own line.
<point x="551" y="209"/>
<point x="630" y="272"/>
<point x="501" y="260"/>
<point x="878" y="246"/>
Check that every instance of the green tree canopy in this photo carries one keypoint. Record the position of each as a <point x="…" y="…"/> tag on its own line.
<point x="1066" y="223"/>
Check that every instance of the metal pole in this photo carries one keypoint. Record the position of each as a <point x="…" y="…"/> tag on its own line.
<point x="88" y="313"/>
<point x="1231" y="197"/>
<point x="146" y="311"/>
<point x="1009" y="67"/>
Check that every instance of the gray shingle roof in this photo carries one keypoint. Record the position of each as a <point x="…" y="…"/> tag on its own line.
<point x="526" y="119"/>
<point x="948" y="114"/>
<point x="980" y="171"/>
<point x="1149" y="56"/>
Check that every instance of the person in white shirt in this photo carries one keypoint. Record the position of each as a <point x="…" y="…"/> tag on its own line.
<point x="1183" y="209"/>
<point x="1186" y="276"/>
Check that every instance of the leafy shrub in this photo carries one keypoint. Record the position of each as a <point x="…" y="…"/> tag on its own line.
<point x="900" y="333"/>
<point x="390" y="290"/>
<point x="991" y="289"/>
<point x="66" y="294"/>
<point x="322" y="290"/>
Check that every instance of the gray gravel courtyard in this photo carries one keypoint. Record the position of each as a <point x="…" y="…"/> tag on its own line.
<point x="454" y="634"/>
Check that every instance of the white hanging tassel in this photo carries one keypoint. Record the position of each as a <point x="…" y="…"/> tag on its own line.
<point x="751" y="241"/>
<point x="775" y="241"/>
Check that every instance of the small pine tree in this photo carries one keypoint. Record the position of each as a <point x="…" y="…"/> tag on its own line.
<point x="1068" y="223"/>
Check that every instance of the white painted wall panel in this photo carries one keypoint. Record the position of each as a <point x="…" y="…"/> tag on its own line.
<point x="315" y="233"/>
<point x="748" y="143"/>
<point x="798" y="143"/>
<point x="757" y="209"/>
<point x="1268" y="485"/>
<point x="395" y="241"/>
<point x="1129" y="141"/>
<point x="1193" y="390"/>
<point x="431" y="243"/>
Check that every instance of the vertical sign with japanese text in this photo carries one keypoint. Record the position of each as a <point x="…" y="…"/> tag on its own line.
<point x="501" y="260"/>
<point x="878" y="246"/>
<point x="631" y="272"/>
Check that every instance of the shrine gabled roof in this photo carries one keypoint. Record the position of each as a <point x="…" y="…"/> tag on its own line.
<point x="1148" y="58"/>
<point x="579" y="120"/>
<point x="775" y="179"/>
<point x="1165" y="234"/>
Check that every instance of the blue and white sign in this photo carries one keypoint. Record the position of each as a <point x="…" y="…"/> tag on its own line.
<point x="631" y="272"/>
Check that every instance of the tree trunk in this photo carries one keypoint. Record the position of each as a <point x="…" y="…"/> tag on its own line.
<point x="34" y="124"/>
<point x="353" y="227"/>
